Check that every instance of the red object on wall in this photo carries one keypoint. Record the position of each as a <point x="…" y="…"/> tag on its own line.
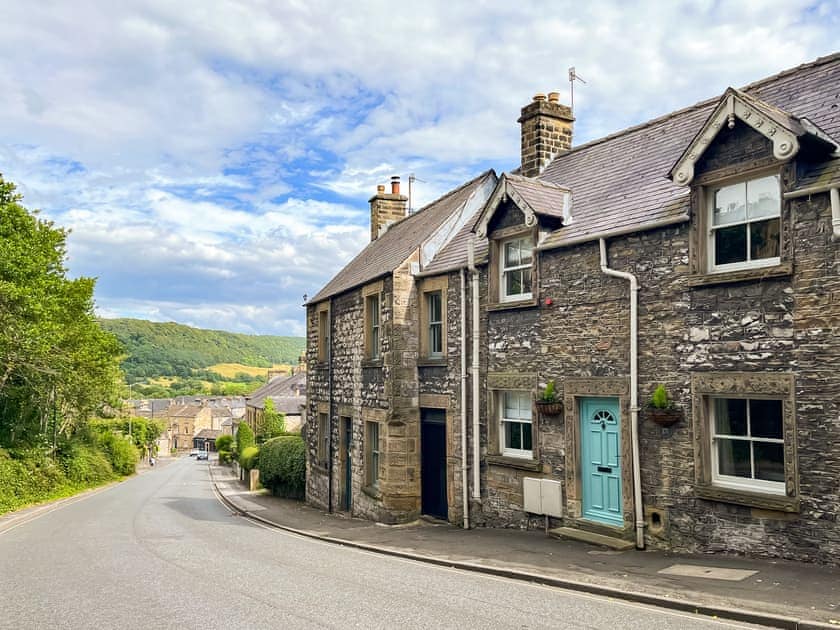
<point x="548" y="301"/>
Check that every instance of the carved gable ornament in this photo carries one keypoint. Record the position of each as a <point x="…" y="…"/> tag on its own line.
<point x="780" y="127"/>
<point x="548" y="200"/>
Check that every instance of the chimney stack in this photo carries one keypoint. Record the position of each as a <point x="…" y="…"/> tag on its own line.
<point x="386" y="209"/>
<point x="546" y="131"/>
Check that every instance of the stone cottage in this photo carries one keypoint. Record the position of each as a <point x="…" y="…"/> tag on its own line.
<point x="699" y="251"/>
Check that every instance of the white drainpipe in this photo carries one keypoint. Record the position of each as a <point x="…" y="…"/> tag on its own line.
<point x="475" y="399"/>
<point x="835" y="211"/>
<point x="464" y="451"/>
<point x="638" y="508"/>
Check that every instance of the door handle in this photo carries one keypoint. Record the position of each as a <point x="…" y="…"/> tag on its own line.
<point x="604" y="469"/>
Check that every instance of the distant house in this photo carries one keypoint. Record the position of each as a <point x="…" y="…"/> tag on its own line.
<point x="184" y="422"/>
<point x="288" y="393"/>
<point x="205" y="440"/>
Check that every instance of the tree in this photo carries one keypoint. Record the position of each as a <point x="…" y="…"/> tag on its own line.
<point x="244" y="438"/>
<point x="57" y="365"/>
<point x="273" y="423"/>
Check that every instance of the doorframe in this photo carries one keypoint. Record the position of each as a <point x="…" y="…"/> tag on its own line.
<point x="345" y="458"/>
<point x="590" y="404"/>
<point x="573" y="390"/>
<point x="446" y="446"/>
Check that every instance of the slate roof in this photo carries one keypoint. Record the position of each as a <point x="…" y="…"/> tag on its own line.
<point x="390" y="250"/>
<point x="209" y="434"/>
<point x="283" y="390"/>
<point x="545" y="198"/>
<point x="184" y="411"/>
<point x="619" y="182"/>
<point x="221" y="412"/>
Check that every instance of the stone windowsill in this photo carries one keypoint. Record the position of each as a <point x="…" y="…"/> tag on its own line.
<point x="432" y="362"/>
<point x="520" y="463"/>
<point x="371" y="363"/>
<point x="373" y="492"/>
<point x="742" y="275"/>
<point x="773" y="502"/>
<point x="509" y="306"/>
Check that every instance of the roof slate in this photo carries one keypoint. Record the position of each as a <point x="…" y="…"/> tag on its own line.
<point x="391" y="249"/>
<point x="619" y="183"/>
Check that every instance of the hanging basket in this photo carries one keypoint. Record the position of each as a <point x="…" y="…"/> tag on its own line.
<point x="665" y="417"/>
<point x="550" y="408"/>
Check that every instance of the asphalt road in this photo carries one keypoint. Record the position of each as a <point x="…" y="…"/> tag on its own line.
<point x="160" y="551"/>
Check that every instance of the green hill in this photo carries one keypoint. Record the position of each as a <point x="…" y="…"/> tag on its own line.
<point x="168" y="349"/>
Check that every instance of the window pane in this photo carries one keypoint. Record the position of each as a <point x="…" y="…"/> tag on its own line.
<point x="764" y="239"/>
<point x="526" y="437"/>
<point x="730" y="204"/>
<point x="766" y="419"/>
<point x="435" y="339"/>
<point x="730" y="416"/>
<point x="731" y="245"/>
<point x="512" y="258"/>
<point x="513" y="435"/>
<point x="769" y="461"/>
<point x="514" y="282"/>
<point x="734" y="458"/>
<point x="763" y="197"/>
<point x="434" y="307"/>
<point x="525" y="251"/>
<point x="526" y="280"/>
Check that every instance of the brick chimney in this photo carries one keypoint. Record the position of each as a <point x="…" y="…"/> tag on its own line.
<point x="546" y="131"/>
<point x="386" y="208"/>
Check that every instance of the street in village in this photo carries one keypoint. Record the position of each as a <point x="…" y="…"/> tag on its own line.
<point x="161" y="551"/>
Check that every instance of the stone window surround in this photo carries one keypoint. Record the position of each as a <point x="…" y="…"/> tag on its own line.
<point x="322" y="321"/>
<point x="495" y="241"/>
<point x="427" y="286"/>
<point x="498" y="382"/>
<point x="379" y="417"/>
<point x="573" y="390"/>
<point x="372" y="356"/>
<point x="322" y="458"/>
<point x="775" y="385"/>
<point x="701" y="203"/>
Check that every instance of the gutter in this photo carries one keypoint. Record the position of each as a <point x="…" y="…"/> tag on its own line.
<point x="638" y="508"/>
<point x="595" y="236"/>
<point x="475" y="397"/>
<point x="464" y="453"/>
<point x="833" y="191"/>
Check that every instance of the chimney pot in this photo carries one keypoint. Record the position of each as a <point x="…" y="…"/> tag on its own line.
<point x="395" y="185"/>
<point x="380" y="189"/>
<point x="539" y="96"/>
<point x="554" y="97"/>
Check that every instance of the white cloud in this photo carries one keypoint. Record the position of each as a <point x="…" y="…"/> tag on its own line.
<point x="215" y="160"/>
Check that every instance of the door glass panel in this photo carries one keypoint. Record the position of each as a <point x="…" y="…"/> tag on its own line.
<point x="734" y="458"/>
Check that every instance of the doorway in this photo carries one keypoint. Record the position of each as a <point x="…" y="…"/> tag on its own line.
<point x="346" y="463"/>
<point x="433" y="463"/>
<point x="600" y="449"/>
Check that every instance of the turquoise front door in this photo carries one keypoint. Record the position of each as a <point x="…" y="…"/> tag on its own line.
<point x="600" y="456"/>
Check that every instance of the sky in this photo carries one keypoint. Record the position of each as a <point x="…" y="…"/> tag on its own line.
<point x="214" y="160"/>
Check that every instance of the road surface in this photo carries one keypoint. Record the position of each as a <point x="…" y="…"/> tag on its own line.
<point x="160" y="551"/>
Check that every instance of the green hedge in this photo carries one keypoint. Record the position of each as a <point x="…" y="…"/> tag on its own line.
<point x="121" y="452"/>
<point x="225" y="457"/>
<point x="248" y="458"/>
<point x="282" y="464"/>
<point x="244" y="440"/>
<point x="224" y="443"/>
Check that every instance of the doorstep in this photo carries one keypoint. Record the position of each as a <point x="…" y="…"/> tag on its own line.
<point x="618" y="544"/>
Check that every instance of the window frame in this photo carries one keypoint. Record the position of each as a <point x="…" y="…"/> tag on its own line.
<point x="750" y="484"/>
<point x="432" y="286"/>
<point x="373" y="453"/>
<point x="504" y="296"/>
<point x="504" y="449"/>
<point x="710" y="229"/>
<point x="435" y="324"/>
<point x="323" y="324"/>
<point x="372" y="305"/>
<point x="706" y="386"/>
<point x="323" y="437"/>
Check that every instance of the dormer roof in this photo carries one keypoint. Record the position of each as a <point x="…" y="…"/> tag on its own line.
<point x="781" y="128"/>
<point x="535" y="198"/>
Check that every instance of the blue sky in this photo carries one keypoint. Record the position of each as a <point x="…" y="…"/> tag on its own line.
<point x="214" y="159"/>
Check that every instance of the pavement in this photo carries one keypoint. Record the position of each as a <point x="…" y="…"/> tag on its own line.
<point x="775" y="593"/>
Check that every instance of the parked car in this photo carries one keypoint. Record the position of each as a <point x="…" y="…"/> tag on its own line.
<point x="202" y="455"/>
<point x="194" y="452"/>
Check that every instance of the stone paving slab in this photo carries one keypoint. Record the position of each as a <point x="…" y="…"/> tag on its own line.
<point x="788" y="592"/>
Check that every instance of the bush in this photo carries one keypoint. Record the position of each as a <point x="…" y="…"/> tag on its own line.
<point x="225" y="456"/>
<point x="244" y="439"/>
<point x="248" y="458"/>
<point x="85" y="464"/>
<point x="282" y="464"/>
<point x="224" y="443"/>
<point x="121" y="452"/>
